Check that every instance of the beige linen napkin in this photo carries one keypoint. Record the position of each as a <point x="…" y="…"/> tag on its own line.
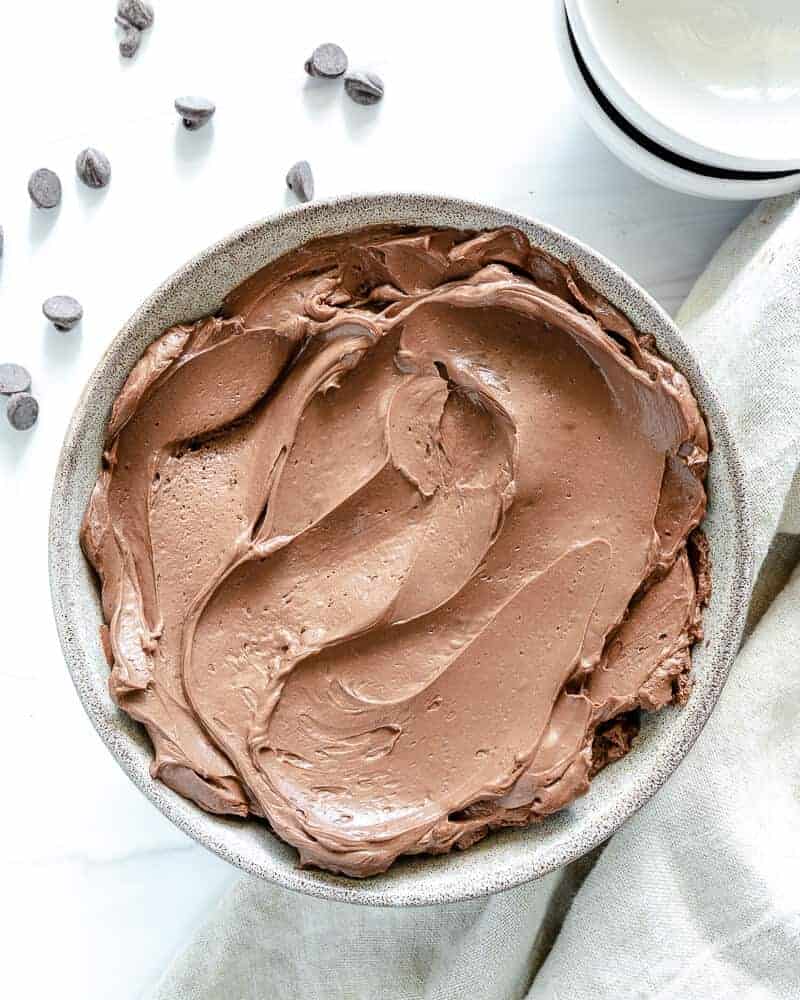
<point x="698" y="896"/>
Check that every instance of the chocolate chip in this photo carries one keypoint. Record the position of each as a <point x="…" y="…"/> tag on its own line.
<point x="13" y="379"/>
<point x="364" y="88"/>
<point x="130" y="41"/>
<point x="136" y="12"/>
<point x="93" y="167"/>
<point x="194" y="111"/>
<point x="301" y="181"/>
<point x="63" y="311"/>
<point x="22" y="411"/>
<point x="44" y="187"/>
<point x="327" y="60"/>
<point x="131" y="38"/>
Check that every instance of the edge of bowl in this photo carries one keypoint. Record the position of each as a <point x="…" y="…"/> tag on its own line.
<point x="421" y="880"/>
<point x="647" y="121"/>
<point x="644" y="162"/>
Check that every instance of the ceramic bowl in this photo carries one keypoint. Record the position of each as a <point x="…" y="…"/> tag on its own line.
<point x="717" y="81"/>
<point x="507" y="858"/>
<point x="644" y="154"/>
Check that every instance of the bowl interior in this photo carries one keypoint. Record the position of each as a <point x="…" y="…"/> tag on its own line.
<point x="631" y="141"/>
<point x="715" y="81"/>
<point x="509" y="857"/>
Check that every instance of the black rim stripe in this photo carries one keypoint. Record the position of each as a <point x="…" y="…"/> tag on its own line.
<point x="653" y="147"/>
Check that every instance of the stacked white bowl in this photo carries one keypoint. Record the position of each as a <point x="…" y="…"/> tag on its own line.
<point x="702" y="96"/>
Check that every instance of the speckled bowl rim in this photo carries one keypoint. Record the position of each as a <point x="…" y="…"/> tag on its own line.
<point x="507" y="858"/>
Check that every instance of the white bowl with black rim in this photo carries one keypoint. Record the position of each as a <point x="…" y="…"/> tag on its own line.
<point x="625" y="67"/>
<point x="506" y="858"/>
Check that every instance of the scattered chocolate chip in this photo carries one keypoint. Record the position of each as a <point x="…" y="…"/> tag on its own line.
<point x="22" y="411"/>
<point x="194" y="111"/>
<point x="301" y="181"/>
<point x="327" y="60"/>
<point x="93" y="167"/>
<point x="136" y="12"/>
<point x="364" y="88"/>
<point x="131" y="38"/>
<point x="44" y="187"/>
<point x="63" y="311"/>
<point x="13" y="379"/>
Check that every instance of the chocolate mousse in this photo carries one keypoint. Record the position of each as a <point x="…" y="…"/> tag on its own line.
<point x="394" y="548"/>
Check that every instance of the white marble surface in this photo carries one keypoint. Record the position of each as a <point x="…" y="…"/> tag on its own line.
<point x="98" y="889"/>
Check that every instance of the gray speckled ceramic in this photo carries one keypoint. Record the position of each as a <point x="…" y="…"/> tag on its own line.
<point x="502" y="860"/>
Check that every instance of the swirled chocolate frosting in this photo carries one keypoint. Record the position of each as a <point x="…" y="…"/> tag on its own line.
<point x="392" y="547"/>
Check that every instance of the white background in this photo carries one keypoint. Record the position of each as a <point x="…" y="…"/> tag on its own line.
<point x="98" y="890"/>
